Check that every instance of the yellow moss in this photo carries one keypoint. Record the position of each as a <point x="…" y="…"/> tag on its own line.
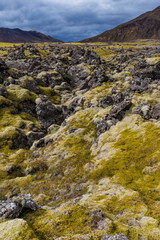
<point x="104" y="52"/>
<point x="18" y="94"/>
<point x="13" y="72"/>
<point x="153" y="60"/>
<point x="72" y="220"/>
<point x="16" y="229"/>
<point x="24" y="81"/>
<point x="53" y="95"/>
<point x="97" y="92"/>
<point x="2" y="52"/>
<point x="4" y="44"/>
<point x="4" y="101"/>
<point x="135" y="151"/>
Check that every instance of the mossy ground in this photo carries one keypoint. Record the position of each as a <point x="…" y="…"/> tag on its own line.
<point x="78" y="172"/>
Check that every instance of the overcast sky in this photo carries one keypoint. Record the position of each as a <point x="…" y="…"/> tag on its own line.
<point x="71" y="20"/>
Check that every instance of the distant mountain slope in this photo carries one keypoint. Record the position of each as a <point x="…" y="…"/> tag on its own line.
<point x="146" y="26"/>
<point x="19" y="36"/>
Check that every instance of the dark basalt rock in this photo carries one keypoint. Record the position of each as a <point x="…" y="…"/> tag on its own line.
<point x="47" y="113"/>
<point x="29" y="107"/>
<point x="32" y="136"/>
<point x="3" y="92"/>
<point x="144" y="74"/>
<point x="3" y="65"/>
<point x="15" y="206"/>
<point x="109" y="100"/>
<point x="40" y="143"/>
<point x="20" y="141"/>
<point x="71" y="108"/>
<point x="118" y="111"/>
<point x="17" y="64"/>
<point x="155" y="112"/>
<point x="3" y="70"/>
<point x="146" y="112"/>
<point x="116" y="114"/>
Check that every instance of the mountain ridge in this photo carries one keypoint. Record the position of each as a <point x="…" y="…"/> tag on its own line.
<point x="145" y="26"/>
<point x="17" y="35"/>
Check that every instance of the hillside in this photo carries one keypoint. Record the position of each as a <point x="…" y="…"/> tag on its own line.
<point x="19" y="36"/>
<point x="146" y="26"/>
<point x="79" y="142"/>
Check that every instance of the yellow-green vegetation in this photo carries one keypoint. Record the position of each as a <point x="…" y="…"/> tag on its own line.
<point x="153" y="60"/>
<point x="4" y="44"/>
<point x="19" y="95"/>
<point x="135" y="165"/>
<point x="66" y="221"/>
<point x="104" y="52"/>
<point x="13" y="72"/>
<point x="53" y="95"/>
<point x="3" y="52"/>
<point x="16" y="229"/>
<point x="25" y="81"/>
<point x="4" y="101"/>
<point x="77" y="173"/>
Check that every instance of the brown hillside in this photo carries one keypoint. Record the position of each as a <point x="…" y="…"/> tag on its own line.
<point x="146" y="26"/>
<point x="19" y="36"/>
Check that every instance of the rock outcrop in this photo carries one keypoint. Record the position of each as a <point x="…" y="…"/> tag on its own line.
<point x="15" y="206"/>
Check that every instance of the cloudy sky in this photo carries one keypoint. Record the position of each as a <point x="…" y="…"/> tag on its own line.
<point x="71" y="20"/>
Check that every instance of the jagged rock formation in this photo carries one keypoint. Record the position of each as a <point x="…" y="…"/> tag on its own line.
<point x="79" y="131"/>
<point x="15" y="206"/>
<point x="146" y="26"/>
<point x="19" y="36"/>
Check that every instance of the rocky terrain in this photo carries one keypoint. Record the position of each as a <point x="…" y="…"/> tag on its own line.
<point x="79" y="141"/>
<point x="17" y="35"/>
<point x="146" y="26"/>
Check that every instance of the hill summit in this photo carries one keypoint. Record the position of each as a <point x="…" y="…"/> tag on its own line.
<point x="146" y="26"/>
<point x="19" y="36"/>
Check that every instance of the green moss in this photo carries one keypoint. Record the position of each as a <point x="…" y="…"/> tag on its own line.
<point x="53" y="95"/>
<point x="104" y="52"/>
<point x="16" y="229"/>
<point x="135" y="151"/>
<point x="25" y="81"/>
<point x="153" y="60"/>
<point x="44" y="53"/>
<point x="68" y="221"/>
<point x="18" y="94"/>
<point x="13" y="72"/>
<point x="2" y="52"/>
<point x="4" y="101"/>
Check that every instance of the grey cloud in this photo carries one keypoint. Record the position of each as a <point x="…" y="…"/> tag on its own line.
<point x="70" y="20"/>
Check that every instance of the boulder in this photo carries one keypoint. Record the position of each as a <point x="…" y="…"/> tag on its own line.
<point x="15" y="206"/>
<point x="155" y="112"/>
<point x="47" y="113"/>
